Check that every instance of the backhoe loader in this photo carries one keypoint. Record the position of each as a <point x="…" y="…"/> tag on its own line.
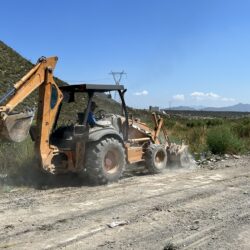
<point x="99" y="152"/>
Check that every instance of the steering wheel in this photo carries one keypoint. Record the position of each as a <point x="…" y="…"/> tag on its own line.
<point x="100" y="114"/>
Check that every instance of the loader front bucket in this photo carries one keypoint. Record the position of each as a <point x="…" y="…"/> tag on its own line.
<point x="15" y="127"/>
<point x="179" y="156"/>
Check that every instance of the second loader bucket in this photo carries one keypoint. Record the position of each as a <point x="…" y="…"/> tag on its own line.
<point x="179" y="156"/>
<point x="15" y="127"/>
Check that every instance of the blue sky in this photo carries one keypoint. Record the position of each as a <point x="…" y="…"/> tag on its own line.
<point x="178" y="52"/>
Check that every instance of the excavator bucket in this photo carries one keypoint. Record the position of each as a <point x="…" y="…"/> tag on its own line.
<point x="15" y="127"/>
<point x="179" y="156"/>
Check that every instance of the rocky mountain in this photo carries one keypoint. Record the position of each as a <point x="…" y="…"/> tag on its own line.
<point x="183" y="108"/>
<point x="240" y="107"/>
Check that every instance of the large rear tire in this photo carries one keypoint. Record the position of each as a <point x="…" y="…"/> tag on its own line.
<point x="155" y="158"/>
<point x="105" y="161"/>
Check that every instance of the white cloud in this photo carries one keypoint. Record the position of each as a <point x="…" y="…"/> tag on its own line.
<point x="224" y="99"/>
<point x="201" y="96"/>
<point x="144" y="92"/>
<point x="179" y="97"/>
<point x="197" y="94"/>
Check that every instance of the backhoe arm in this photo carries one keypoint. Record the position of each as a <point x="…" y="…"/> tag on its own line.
<point x="15" y="126"/>
<point x="25" y="86"/>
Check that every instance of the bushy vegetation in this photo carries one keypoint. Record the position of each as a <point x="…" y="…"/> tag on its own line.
<point x="218" y="134"/>
<point x="222" y="140"/>
<point x="14" y="155"/>
<point x="214" y="134"/>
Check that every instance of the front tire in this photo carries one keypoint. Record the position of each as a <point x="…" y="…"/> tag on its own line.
<point x="155" y="158"/>
<point x="105" y="161"/>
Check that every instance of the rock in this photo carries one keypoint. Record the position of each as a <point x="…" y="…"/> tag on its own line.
<point x="9" y="227"/>
<point x="117" y="223"/>
<point x="236" y="157"/>
<point x="211" y="167"/>
<point x="217" y="158"/>
<point x="158" y="208"/>
<point x="204" y="162"/>
<point x="170" y="246"/>
<point x="198" y="162"/>
<point x="194" y="227"/>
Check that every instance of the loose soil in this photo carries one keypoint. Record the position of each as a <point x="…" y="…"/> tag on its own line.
<point x="202" y="208"/>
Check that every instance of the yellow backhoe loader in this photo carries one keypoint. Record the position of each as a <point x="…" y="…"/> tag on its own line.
<point x="100" y="152"/>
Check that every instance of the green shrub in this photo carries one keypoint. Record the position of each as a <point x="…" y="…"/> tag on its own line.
<point x="242" y="128"/>
<point x="195" y="138"/>
<point x="169" y="123"/>
<point x="15" y="155"/>
<point x="195" y="123"/>
<point x="222" y="140"/>
<point x="214" y="122"/>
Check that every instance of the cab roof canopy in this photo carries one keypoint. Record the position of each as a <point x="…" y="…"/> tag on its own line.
<point x="91" y="88"/>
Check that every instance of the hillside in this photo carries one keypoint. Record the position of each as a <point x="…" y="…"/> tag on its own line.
<point x="13" y="67"/>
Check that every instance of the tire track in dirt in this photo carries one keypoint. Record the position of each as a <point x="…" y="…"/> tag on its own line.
<point x="188" y="237"/>
<point x="71" y="223"/>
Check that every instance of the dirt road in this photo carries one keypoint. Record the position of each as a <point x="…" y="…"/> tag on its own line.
<point x="185" y="209"/>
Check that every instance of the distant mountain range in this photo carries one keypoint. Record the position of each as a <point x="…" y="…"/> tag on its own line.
<point x="240" y="107"/>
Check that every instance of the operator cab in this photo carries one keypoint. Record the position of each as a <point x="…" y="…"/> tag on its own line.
<point x="109" y="115"/>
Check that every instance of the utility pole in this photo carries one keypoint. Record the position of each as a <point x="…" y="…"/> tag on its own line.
<point x="117" y="78"/>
